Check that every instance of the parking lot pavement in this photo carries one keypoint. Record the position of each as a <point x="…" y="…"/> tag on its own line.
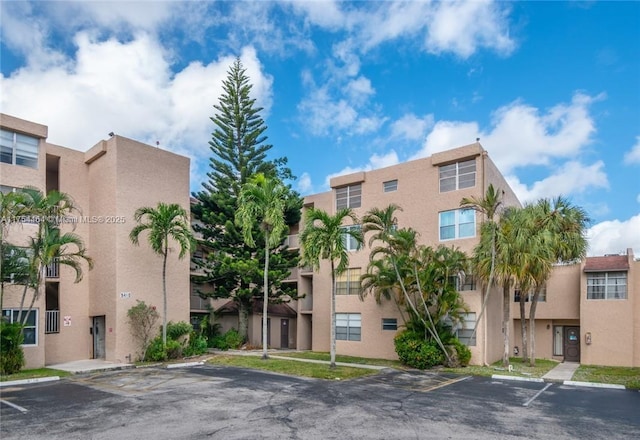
<point x="231" y="403"/>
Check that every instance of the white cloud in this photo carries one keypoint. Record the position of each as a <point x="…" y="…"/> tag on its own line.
<point x="128" y="88"/>
<point x="359" y="89"/>
<point x="571" y="178"/>
<point x="304" y="184"/>
<point x="521" y="135"/>
<point x="411" y="127"/>
<point x="633" y="155"/>
<point x="615" y="236"/>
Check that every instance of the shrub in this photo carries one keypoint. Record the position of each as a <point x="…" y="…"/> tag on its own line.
<point x="464" y="354"/>
<point x="142" y="319"/>
<point x="414" y="351"/>
<point x="175" y="330"/>
<point x="156" y="351"/>
<point x="11" y="354"/>
<point x="197" y="345"/>
<point x="230" y="339"/>
<point x="174" y="349"/>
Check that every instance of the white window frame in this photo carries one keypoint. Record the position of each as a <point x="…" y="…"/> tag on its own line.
<point x="609" y="282"/>
<point x="461" y="174"/>
<point x="390" y="186"/>
<point x="22" y="148"/>
<point x="348" y="327"/>
<point x="348" y="282"/>
<point x="349" y="196"/>
<point x="458" y="213"/>
<point x="464" y="329"/>
<point x="11" y="315"/>
<point x="349" y="242"/>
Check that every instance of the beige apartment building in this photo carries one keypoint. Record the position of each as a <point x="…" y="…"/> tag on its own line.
<point x="108" y="183"/>
<point x="590" y="312"/>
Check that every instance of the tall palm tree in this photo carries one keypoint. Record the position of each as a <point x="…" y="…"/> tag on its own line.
<point x="263" y="200"/>
<point x="559" y="230"/>
<point x="12" y="207"/>
<point x="52" y="246"/>
<point x="166" y="222"/>
<point x="323" y="238"/>
<point x="490" y="206"/>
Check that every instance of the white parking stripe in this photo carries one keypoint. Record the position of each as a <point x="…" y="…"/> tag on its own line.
<point x="537" y="394"/>
<point x="13" y="405"/>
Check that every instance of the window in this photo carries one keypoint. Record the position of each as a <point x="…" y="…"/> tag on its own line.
<point x="458" y="175"/>
<point x="542" y="297"/>
<point x="348" y="282"/>
<point x="349" y="196"/>
<point x="464" y="329"/>
<point x="390" y="186"/>
<point x="466" y="282"/>
<point x="349" y="242"/>
<point x="348" y="326"/>
<point x="389" y="324"/>
<point x="459" y="223"/>
<point x="607" y="285"/>
<point x="30" y="330"/>
<point x="558" y="340"/>
<point x="18" y="149"/>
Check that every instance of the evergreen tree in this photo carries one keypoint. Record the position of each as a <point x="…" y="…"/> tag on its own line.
<point x="239" y="151"/>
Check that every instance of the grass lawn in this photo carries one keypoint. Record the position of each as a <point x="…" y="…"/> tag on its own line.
<point x="31" y="374"/>
<point x="627" y="376"/>
<point x="519" y="369"/>
<point x="322" y="356"/>
<point x="294" y="368"/>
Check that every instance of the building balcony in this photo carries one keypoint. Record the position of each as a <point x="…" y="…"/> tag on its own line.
<point x="53" y="270"/>
<point x="292" y="241"/>
<point x="52" y="321"/>
<point x="306" y="303"/>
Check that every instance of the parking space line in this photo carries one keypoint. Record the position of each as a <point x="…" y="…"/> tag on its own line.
<point x="447" y="383"/>
<point x="13" y="405"/>
<point x="537" y="394"/>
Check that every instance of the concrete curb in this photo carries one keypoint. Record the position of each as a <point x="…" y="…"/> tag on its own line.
<point x="594" y="385"/>
<point x="184" y="364"/>
<point x="518" y="378"/>
<point x="29" y="381"/>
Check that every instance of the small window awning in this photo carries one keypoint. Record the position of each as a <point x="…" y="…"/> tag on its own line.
<point x="608" y="263"/>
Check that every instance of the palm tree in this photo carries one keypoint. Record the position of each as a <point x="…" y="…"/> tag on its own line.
<point x="558" y="229"/>
<point x="12" y="206"/>
<point x="489" y="206"/>
<point x="263" y="199"/>
<point x="52" y="246"/>
<point x="323" y="238"/>
<point x="166" y="222"/>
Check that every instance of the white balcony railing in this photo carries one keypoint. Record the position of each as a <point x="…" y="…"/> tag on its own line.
<point x="53" y="270"/>
<point x="52" y="321"/>
<point x="292" y="241"/>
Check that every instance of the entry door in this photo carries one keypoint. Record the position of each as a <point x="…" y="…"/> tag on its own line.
<point x="284" y="333"/>
<point x="98" y="331"/>
<point x="572" y="344"/>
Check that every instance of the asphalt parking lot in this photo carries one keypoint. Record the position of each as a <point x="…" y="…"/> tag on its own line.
<point x="230" y="403"/>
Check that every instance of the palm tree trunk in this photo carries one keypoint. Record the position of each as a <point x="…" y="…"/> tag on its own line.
<point x="485" y="301"/>
<point x="164" y="292"/>
<point x="532" y="326"/>
<point x="332" y="364"/>
<point x="23" y="319"/>
<point x="265" y="301"/>
<point x="523" y="327"/>
<point x="506" y="317"/>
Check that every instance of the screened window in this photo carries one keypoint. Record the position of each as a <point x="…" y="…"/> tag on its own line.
<point x="390" y="186"/>
<point x="541" y="298"/>
<point x="349" y="242"/>
<point x="348" y="326"/>
<point x="458" y="175"/>
<point x="18" y="149"/>
<point x="349" y="196"/>
<point x="389" y="324"/>
<point x="348" y="282"/>
<point x="607" y="285"/>
<point x="30" y="330"/>
<point x="465" y="328"/>
<point x="458" y="223"/>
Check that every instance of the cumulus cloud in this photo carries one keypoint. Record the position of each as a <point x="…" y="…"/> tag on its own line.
<point x="615" y="236"/>
<point x="522" y="135"/>
<point x="128" y="88"/>
<point x="571" y="178"/>
<point x="304" y="185"/>
<point x="411" y="127"/>
<point x="633" y="155"/>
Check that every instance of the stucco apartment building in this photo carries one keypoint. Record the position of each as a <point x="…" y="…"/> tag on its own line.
<point x="590" y="312"/>
<point x="108" y="183"/>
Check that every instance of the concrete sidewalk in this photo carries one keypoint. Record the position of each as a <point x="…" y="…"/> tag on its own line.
<point x="562" y="372"/>
<point x="90" y="366"/>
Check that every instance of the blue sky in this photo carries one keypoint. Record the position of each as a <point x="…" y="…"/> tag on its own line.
<point x="552" y="89"/>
